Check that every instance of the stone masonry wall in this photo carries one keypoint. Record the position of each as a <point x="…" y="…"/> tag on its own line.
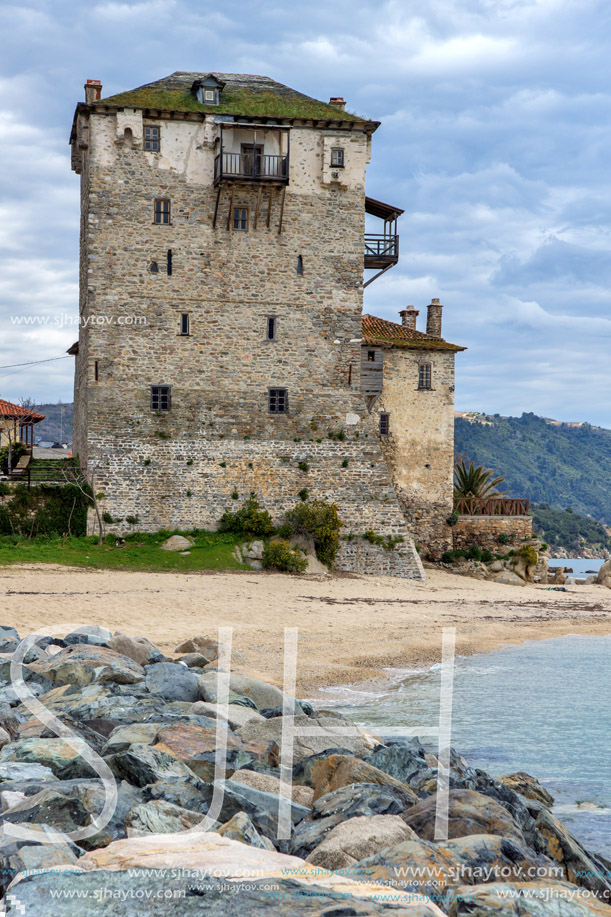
<point x="419" y="448"/>
<point x="484" y="531"/>
<point x="183" y="468"/>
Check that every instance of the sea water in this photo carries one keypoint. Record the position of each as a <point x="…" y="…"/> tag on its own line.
<point x="542" y="707"/>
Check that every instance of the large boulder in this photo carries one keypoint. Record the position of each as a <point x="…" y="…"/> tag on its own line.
<point x="172" y="681"/>
<point x="196" y="747"/>
<point x="406" y="763"/>
<point x="240" y="828"/>
<point x="469" y="812"/>
<point x="11" y="771"/>
<point x="63" y="759"/>
<point x="604" y="574"/>
<point x="177" y="543"/>
<point x="528" y="786"/>
<point x="140" y="649"/>
<point x="358" y="838"/>
<point x="262" y="694"/>
<point x="298" y="887"/>
<point x="237" y="715"/>
<point x="268" y="783"/>
<point x="270" y="733"/>
<point x="263" y="808"/>
<point x="337" y="771"/>
<point x="524" y="899"/>
<point x="348" y="802"/>
<point x="27" y="856"/>
<point x="204" y="645"/>
<point x="160" y="817"/>
<point x="81" y="664"/>
<point x="143" y="764"/>
<point x="122" y="737"/>
<point x="432" y="868"/>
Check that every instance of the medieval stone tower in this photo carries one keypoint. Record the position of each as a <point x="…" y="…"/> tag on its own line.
<point x="222" y="255"/>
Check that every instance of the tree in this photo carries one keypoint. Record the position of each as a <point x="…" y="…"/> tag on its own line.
<point x="476" y="481"/>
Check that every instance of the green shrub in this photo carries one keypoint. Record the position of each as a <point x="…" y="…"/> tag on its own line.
<point x="249" y="522"/>
<point x="278" y="555"/>
<point x="107" y="518"/>
<point x="447" y="557"/>
<point x="303" y="466"/>
<point x="452" y="519"/>
<point x="345" y="463"/>
<point x="4" y="489"/>
<point x="528" y="554"/>
<point x="45" y="510"/>
<point x="285" y="531"/>
<point x="321" y="521"/>
<point x="304" y="493"/>
<point x="474" y="552"/>
<point x="17" y="451"/>
<point x="132" y="520"/>
<point x="503" y="538"/>
<point x="487" y="556"/>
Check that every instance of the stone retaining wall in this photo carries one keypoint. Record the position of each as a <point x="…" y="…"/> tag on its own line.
<point x="485" y="530"/>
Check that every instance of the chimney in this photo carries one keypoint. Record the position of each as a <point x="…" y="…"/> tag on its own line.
<point x="433" y="318"/>
<point x="93" y="91"/>
<point x="408" y="317"/>
<point x="337" y="102"/>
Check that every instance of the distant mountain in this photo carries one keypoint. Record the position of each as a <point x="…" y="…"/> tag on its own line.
<point x="57" y="425"/>
<point x="562" y="464"/>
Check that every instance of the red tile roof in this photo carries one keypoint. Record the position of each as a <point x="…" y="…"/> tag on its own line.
<point x="380" y="331"/>
<point x="15" y="411"/>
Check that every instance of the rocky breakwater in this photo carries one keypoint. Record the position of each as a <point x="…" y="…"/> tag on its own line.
<point x="190" y="830"/>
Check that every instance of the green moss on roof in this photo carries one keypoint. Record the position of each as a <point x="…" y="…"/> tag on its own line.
<point x="254" y="102"/>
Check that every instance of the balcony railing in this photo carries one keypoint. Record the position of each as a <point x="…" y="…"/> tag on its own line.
<point x="493" y="506"/>
<point x="381" y="251"/>
<point x="257" y="167"/>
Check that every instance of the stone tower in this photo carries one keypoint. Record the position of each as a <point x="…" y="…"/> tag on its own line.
<point x="221" y="279"/>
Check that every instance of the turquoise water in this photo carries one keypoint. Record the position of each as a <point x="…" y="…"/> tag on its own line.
<point x="542" y="707"/>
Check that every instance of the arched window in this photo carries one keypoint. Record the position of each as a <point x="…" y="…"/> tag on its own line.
<point x="299" y="264"/>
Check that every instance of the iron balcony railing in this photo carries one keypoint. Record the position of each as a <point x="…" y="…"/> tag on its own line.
<point x="493" y="506"/>
<point x="251" y="167"/>
<point x="382" y="249"/>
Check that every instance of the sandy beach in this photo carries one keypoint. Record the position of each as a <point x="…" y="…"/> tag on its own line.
<point x="351" y="628"/>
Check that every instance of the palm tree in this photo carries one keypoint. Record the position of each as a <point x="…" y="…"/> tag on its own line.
<point x="476" y="481"/>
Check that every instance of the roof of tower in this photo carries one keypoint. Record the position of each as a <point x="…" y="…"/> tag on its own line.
<point x="241" y="94"/>
<point x="381" y="332"/>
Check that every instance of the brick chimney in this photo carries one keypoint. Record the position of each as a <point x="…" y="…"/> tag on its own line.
<point x="408" y="317"/>
<point x="337" y="102"/>
<point x="433" y="318"/>
<point x="93" y="91"/>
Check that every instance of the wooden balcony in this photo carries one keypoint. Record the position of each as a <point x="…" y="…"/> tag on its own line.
<point x="381" y="252"/>
<point x="249" y="167"/>
<point x="493" y="506"/>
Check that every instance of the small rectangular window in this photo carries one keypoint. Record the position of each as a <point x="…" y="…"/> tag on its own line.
<point x="161" y="397"/>
<point x="384" y="424"/>
<point x="371" y="356"/>
<point x="424" y="376"/>
<point x="271" y="327"/>
<point x="240" y="219"/>
<point x="96" y="371"/>
<point x="210" y="95"/>
<point x="278" y="401"/>
<point x="162" y="210"/>
<point x="337" y="158"/>
<point x="151" y="139"/>
<point x="185" y="323"/>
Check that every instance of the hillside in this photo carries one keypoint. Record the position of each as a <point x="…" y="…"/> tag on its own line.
<point x="579" y="536"/>
<point x="57" y="425"/>
<point x="564" y="465"/>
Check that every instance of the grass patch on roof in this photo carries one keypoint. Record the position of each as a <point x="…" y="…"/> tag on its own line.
<point x="233" y="102"/>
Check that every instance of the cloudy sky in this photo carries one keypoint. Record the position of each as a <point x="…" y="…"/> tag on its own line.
<point x="496" y="139"/>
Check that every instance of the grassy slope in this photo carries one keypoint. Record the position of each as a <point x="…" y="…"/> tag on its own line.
<point x="141" y="551"/>
<point x="560" y="465"/>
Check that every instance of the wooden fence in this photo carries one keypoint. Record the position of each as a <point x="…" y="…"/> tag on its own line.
<point x="493" y="506"/>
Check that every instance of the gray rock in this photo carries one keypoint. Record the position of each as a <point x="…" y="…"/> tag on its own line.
<point x="177" y="543"/>
<point x="508" y="578"/>
<point x="603" y="576"/>
<point x="250" y="897"/>
<point x="262" y="694"/>
<point x="141" y="764"/>
<point x="172" y="681"/>
<point x="195" y="660"/>
<point x="9" y="633"/>
<point x="237" y="715"/>
<point x="139" y="649"/>
<point x="82" y="664"/>
<point x="522" y="899"/>
<point x="469" y="812"/>
<point x="188" y="792"/>
<point x="19" y="855"/>
<point x="403" y="763"/>
<point x="90" y="634"/>
<point x="64" y="760"/>
<point x="122" y="737"/>
<point x="240" y="828"/>
<point x="304" y="746"/>
<point x="262" y="808"/>
<point x="160" y="817"/>
<point x="358" y="838"/>
<point x="21" y="770"/>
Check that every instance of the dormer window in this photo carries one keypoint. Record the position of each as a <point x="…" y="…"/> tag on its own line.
<point x="207" y="89"/>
